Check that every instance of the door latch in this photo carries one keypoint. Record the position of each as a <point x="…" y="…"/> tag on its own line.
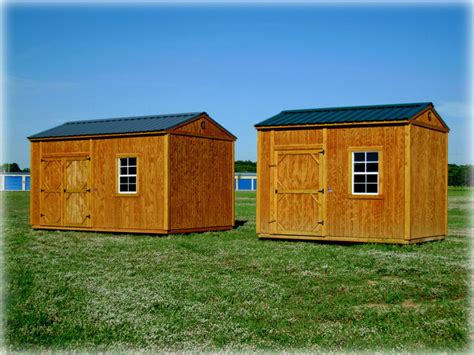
<point x="321" y="223"/>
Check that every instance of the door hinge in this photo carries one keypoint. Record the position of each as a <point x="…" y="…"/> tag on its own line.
<point x="322" y="191"/>
<point x="42" y="190"/>
<point x="64" y="190"/>
<point x="41" y="215"/>
<point x="88" y="216"/>
<point x="272" y="221"/>
<point x="321" y="223"/>
<point x="276" y="191"/>
<point x="88" y="190"/>
<point x="322" y="152"/>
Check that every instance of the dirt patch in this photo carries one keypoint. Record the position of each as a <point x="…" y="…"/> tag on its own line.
<point x="391" y="278"/>
<point x="410" y="304"/>
<point x="372" y="282"/>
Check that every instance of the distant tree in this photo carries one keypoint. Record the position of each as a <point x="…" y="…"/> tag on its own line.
<point x="245" y="166"/>
<point x="26" y="170"/>
<point x="460" y="175"/>
<point x="11" y="168"/>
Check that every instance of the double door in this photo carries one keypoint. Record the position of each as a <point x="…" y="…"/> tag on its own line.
<point x="65" y="192"/>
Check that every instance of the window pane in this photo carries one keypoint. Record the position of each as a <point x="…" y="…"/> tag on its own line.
<point x="359" y="156"/>
<point x="123" y="180"/>
<point x="359" y="167"/>
<point x="372" y="178"/>
<point x="132" y="179"/>
<point x="372" y="167"/>
<point x="132" y="161"/>
<point x="372" y="188"/>
<point x="123" y="161"/>
<point x="358" y="188"/>
<point x="359" y="178"/>
<point x="132" y="188"/>
<point x="123" y="171"/>
<point x="372" y="156"/>
<point x="132" y="170"/>
<point x="123" y="188"/>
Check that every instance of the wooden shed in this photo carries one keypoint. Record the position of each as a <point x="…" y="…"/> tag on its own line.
<point x="150" y="174"/>
<point x="356" y="174"/>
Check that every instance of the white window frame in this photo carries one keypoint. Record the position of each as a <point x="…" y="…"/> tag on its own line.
<point x="366" y="173"/>
<point x="119" y="175"/>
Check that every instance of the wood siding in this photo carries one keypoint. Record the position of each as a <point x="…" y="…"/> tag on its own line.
<point x="35" y="166"/>
<point x="428" y="182"/>
<point x="201" y="182"/>
<point x="374" y="218"/>
<point x="101" y="208"/>
<point x="144" y="210"/>
<point x="370" y="217"/>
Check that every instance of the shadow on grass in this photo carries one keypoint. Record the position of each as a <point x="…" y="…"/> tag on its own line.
<point x="239" y="223"/>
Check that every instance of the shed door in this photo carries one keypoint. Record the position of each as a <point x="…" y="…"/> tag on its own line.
<point x="51" y="192"/>
<point x="298" y="192"/>
<point x="76" y="192"/>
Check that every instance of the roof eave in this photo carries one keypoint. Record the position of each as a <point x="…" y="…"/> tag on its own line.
<point x="98" y="135"/>
<point x="340" y="124"/>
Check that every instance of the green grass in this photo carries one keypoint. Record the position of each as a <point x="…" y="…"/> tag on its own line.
<point x="231" y="291"/>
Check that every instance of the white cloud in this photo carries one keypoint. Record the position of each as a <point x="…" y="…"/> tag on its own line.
<point x="455" y="109"/>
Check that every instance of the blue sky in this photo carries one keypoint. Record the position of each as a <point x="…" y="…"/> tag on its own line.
<point x="241" y="64"/>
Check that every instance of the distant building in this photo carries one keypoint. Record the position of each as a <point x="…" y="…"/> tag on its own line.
<point x="245" y="182"/>
<point x="14" y="181"/>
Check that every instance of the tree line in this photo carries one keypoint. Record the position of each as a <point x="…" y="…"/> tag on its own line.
<point x="12" y="168"/>
<point x="458" y="175"/>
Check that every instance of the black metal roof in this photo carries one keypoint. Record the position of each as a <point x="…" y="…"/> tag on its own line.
<point x="119" y="125"/>
<point x="352" y="114"/>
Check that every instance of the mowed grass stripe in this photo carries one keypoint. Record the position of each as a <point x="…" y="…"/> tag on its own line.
<point x="231" y="291"/>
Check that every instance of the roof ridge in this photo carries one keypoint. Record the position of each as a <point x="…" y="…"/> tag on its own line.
<point x="365" y="107"/>
<point x="131" y="118"/>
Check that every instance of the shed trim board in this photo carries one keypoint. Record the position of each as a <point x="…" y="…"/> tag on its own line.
<point x="407" y="186"/>
<point x="387" y="216"/>
<point x="86" y="177"/>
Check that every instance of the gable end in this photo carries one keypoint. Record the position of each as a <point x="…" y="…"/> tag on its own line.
<point x="204" y="126"/>
<point x="429" y="118"/>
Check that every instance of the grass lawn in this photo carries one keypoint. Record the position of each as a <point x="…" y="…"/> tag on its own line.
<point x="231" y="291"/>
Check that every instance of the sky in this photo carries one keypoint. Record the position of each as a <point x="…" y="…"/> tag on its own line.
<point x="239" y="63"/>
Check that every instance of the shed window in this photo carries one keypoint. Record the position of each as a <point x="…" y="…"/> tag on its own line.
<point x="365" y="173"/>
<point x="127" y="175"/>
